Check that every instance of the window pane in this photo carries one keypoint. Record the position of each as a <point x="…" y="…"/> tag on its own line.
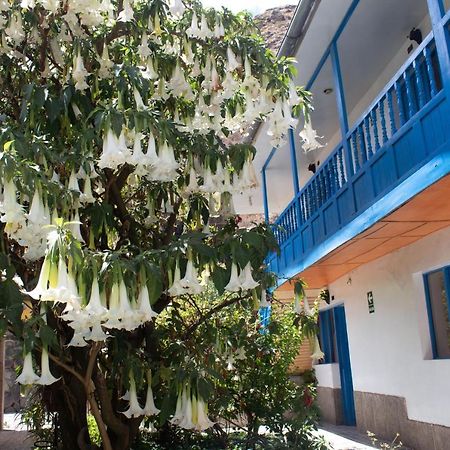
<point x="439" y="311"/>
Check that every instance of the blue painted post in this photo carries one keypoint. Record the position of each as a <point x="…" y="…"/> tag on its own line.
<point x="441" y="38"/>
<point x="294" y="166"/>
<point x="342" y="108"/>
<point x="265" y="199"/>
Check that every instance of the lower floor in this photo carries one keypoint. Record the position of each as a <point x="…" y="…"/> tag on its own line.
<point x="385" y="333"/>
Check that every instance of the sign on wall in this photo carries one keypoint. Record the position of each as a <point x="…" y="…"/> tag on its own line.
<point x="370" y="302"/>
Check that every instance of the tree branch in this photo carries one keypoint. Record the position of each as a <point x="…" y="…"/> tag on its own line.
<point x="92" y="359"/>
<point x="67" y="368"/>
<point x="209" y="314"/>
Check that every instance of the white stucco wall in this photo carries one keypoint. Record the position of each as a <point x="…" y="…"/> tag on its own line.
<point x="390" y="350"/>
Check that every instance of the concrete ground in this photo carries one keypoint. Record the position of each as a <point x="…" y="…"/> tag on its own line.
<point x="339" y="437"/>
<point x="15" y="440"/>
<point x="345" y="438"/>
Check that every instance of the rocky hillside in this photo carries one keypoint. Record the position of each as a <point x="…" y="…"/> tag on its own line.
<point x="274" y="23"/>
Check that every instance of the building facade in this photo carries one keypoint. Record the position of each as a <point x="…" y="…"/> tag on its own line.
<point x="367" y="216"/>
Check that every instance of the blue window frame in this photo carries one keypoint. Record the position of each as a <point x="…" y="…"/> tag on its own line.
<point x="327" y="336"/>
<point x="437" y="293"/>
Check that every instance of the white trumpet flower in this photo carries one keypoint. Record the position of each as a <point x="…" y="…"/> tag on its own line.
<point x="317" y="353"/>
<point x="127" y="13"/>
<point x="193" y="30"/>
<point x="246" y="278"/>
<point x="263" y="303"/>
<point x="309" y="138"/>
<point x="149" y="73"/>
<point x="143" y="49"/>
<point x="79" y="73"/>
<point x="42" y="284"/>
<point x="176" y="8"/>
<point x="37" y="214"/>
<point x="105" y="64"/>
<point x="297" y="305"/>
<point x="145" y="311"/>
<point x="115" y="151"/>
<point x="192" y="187"/>
<point x="87" y="196"/>
<point x="10" y="209"/>
<point x="140" y="105"/>
<point x="202" y="421"/>
<point x="176" y="288"/>
<point x="134" y="409"/>
<point x="96" y="334"/>
<point x="28" y="375"/>
<point x="232" y="62"/>
<point x="190" y="283"/>
<point x="234" y="284"/>
<point x="95" y="308"/>
<point x="77" y="341"/>
<point x="150" y="409"/>
<point x="73" y="182"/>
<point x="15" y="29"/>
<point x="46" y="377"/>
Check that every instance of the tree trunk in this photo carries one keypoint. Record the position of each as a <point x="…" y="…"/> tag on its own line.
<point x="68" y="399"/>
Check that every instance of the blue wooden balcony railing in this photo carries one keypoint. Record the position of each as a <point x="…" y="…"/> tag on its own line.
<point x="404" y="127"/>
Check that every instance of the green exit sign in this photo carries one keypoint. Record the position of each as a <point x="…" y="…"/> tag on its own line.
<point x="370" y="302"/>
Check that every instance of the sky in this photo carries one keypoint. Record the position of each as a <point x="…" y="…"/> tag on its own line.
<point x="254" y="6"/>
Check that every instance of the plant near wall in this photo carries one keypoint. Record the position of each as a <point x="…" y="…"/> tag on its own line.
<point x="117" y="125"/>
<point x="254" y="403"/>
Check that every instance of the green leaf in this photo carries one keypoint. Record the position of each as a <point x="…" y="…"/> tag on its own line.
<point x="48" y="336"/>
<point x="220" y="277"/>
<point x="116" y="119"/>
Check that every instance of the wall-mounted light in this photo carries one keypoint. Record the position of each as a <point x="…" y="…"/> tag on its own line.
<point x="328" y="91"/>
<point x="415" y="35"/>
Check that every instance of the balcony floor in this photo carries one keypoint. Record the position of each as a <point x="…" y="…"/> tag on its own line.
<point x="427" y="212"/>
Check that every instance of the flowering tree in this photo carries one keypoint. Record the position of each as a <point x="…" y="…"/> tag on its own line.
<point x="118" y="164"/>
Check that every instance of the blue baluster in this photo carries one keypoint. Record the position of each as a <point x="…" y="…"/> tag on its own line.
<point x="335" y="172"/>
<point x="355" y="152"/>
<point x="391" y="112"/>
<point x="368" y="136"/>
<point x="409" y="95"/>
<point x="342" y="176"/>
<point x="362" y="143"/>
<point x="430" y="71"/>
<point x="373" y="116"/>
<point x="383" y="121"/>
<point x="419" y="80"/>
<point x="400" y="104"/>
<point x="326" y="176"/>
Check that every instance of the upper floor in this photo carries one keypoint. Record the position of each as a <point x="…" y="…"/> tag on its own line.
<point x="379" y="72"/>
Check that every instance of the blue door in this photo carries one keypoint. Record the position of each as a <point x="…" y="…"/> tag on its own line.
<point x="345" y="369"/>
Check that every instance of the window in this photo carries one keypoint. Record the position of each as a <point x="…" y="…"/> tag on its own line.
<point x="327" y="336"/>
<point x="437" y="289"/>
